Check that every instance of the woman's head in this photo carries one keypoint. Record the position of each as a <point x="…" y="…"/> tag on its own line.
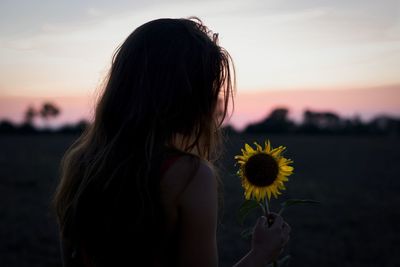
<point x="169" y="85"/>
<point x="166" y="80"/>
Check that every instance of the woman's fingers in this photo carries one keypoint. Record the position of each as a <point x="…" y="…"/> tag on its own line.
<point x="270" y="238"/>
<point x="277" y="220"/>
<point x="279" y="226"/>
<point x="285" y="233"/>
<point x="286" y="228"/>
<point x="285" y="237"/>
<point x="260" y="225"/>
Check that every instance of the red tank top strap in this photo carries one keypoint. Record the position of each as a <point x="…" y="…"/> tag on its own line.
<point x="86" y="261"/>
<point x="168" y="162"/>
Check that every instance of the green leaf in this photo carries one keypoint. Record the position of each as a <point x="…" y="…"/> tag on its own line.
<point x="246" y="208"/>
<point x="293" y="202"/>
<point x="247" y="233"/>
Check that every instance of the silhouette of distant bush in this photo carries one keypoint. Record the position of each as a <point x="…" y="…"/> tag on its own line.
<point x="276" y="122"/>
<point x="328" y="122"/>
<point x="384" y="125"/>
<point x="321" y="122"/>
<point x="27" y="128"/>
<point x="7" y="127"/>
<point x="74" y="128"/>
<point x="229" y="130"/>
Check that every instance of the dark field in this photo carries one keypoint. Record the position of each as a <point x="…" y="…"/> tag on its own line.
<point x="356" y="179"/>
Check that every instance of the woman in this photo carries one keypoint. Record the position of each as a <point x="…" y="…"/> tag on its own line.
<point x="138" y="187"/>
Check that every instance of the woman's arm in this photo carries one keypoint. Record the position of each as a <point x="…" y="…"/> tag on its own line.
<point x="198" y="206"/>
<point x="198" y="246"/>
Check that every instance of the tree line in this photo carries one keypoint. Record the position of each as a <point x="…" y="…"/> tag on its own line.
<point x="45" y="113"/>
<point x="322" y="122"/>
<point x="278" y="121"/>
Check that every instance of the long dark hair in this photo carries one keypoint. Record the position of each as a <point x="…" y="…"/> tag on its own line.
<point x="169" y="81"/>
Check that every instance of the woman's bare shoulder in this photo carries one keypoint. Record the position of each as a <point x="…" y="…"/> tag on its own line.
<point x="201" y="191"/>
<point x="186" y="169"/>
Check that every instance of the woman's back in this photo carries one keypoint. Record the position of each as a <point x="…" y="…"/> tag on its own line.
<point x="177" y="171"/>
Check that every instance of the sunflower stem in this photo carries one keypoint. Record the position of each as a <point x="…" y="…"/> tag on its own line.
<point x="262" y="206"/>
<point x="280" y="211"/>
<point x="267" y="206"/>
<point x="270" y="220"/>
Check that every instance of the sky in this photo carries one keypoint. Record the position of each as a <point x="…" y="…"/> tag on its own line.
<point x="298" y="49"/>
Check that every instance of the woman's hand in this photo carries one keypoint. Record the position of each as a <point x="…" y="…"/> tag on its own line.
<point x="269" y="240"/>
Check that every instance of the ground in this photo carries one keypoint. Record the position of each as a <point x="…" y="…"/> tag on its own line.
<point x="356" y="178"/>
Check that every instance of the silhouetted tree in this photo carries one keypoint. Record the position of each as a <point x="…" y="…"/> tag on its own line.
<point x="276" y="122"/>
<point x="48" y="111"/>
<point x="384" y="125"/>
<point x="30" y="115"/>
<point x="279" y="114"/>
<point x="355" y="126"/>
<point x="330" y="120"/>
<point x="321" y="122"/>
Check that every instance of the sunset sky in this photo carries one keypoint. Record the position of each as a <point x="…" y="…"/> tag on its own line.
<point x="341" y="56"/>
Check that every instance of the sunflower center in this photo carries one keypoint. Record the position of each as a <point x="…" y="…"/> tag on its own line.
<point x="261" y="169"/>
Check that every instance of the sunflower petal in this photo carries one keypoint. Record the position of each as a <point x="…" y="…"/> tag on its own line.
<point x="259" y="148"/>
<point x="269" y="193"/>
<point x="287" y="168"/>
<point x="279" y="182"/>
<point x="248" y="193"/>
<point x="277" y="151"/>
<point x="263" y="192"/>
<point x="267" y="146"/>
<point x="284" y="161"/>
<point x="286" y="174"/>
<point x="257" y="193"/>
<point x="249" y="148"/>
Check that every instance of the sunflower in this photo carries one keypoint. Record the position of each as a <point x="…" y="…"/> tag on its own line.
<point x="263" y="171"/>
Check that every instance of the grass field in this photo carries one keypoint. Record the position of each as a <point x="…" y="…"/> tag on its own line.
<point x="356" y="179"/>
